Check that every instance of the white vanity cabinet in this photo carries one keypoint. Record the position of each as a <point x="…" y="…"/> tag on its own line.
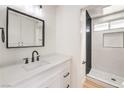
<point x="61" y="77"/>
<point x="57" y="77"/>
<point x="56" y="74"/>
<point x="53" y="81"/>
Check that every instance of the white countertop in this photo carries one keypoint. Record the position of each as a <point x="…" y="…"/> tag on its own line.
<point x="13" y="74"/>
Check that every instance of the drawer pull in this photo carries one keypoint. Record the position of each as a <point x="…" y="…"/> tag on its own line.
<point x="66" y="75"/>
<point x="68" y="86"/>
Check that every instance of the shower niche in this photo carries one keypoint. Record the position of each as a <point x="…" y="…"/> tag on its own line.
<point x="113" y="40"/>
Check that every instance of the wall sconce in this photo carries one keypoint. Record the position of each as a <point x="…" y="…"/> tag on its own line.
<point x="41" y="6"/>
<point x="34" y="9"/>
<point x="38" y="10"/>
<point x="2" y="35"/>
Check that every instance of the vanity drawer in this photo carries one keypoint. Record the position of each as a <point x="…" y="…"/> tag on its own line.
<point x="67" y="82"/>
<point x="52" y="82"/>
<point x="67" y="76"/>
<point x="67" y="86"/>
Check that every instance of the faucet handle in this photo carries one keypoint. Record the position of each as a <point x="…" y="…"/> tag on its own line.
<point x="38" y="57"/>
<point x="26" y="60"/>
<point x="32" y="59"/>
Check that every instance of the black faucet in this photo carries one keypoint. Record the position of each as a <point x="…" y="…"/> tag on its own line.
<point x="33" y="55"/>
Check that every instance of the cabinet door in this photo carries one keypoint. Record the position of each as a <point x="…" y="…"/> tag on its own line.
<point x="53" y="81"/>
<point x="13" y="29"/>
<point x="27" y="31"/>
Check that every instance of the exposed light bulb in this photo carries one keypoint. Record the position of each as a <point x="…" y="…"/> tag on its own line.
<point x="38" y="11"/>
<point x="34" y="9"/>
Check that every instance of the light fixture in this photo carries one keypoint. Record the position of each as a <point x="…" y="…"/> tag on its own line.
<point x="34" y="9"/>
<point x="38" y="10"/>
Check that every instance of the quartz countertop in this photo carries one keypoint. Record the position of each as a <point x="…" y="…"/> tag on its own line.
<point x="11" y="75"/>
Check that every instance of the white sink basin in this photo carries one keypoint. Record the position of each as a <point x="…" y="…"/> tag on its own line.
<point x="34" y="65"/>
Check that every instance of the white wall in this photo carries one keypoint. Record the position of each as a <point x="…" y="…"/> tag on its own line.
<point x="68" y="36"/>
<point x="8" y="56"/>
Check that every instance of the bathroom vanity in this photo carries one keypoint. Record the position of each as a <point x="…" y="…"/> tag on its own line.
<point x="52" y="71"/>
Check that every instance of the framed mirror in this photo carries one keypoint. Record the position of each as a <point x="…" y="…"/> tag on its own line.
<point x="23" y="30"/>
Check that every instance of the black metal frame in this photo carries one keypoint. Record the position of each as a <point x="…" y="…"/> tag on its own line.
<point x="88" y="43"/>
<point x="7" y="21"/>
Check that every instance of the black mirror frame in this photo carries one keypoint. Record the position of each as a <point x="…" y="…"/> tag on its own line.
<point x="7" y="21"/>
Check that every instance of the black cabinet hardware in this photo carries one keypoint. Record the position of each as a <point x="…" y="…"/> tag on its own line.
<point x="66" y="75"/>
<point x="83" y="62"/>
<point x="68" y="86"/>
<point x="113" y="79"/>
